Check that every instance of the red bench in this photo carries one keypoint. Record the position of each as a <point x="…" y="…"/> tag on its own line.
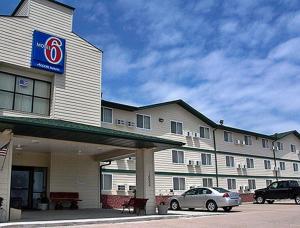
<point x="61" y="197"/>
<point x="138" y="205"/>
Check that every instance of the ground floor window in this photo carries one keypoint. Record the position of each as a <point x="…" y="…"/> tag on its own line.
<point x="268" y="182"/>
<point x="178" y="183"/>
<point x="106" y="181"/>
<point x="231" y="183"/>
<point x="207" y="182"/>
<point x="251" y="184"/>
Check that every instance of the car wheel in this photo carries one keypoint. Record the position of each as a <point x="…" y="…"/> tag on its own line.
<point x="297" y="199"/>
<point x="191" y="209"/>
<point x="227" y="209"/>
<point x="211" y="206"/>
<point x="175" y="205"/>
<point x="270" y="201"/>
<point x="260" y="200"/>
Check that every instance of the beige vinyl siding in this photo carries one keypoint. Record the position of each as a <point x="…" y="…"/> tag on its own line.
<point x="76" y="173"/>
<point x="72" y="89"/>
<point x="24" y="9"/>
<point x="120" y="179"/>
<point x="286" y="152"/>
<point x="34" y="159"/>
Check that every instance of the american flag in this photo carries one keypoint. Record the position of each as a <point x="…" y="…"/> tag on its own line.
<point x="3" y="150"/>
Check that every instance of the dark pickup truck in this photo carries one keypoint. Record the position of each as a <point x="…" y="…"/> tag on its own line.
<point x="278" y="190"/>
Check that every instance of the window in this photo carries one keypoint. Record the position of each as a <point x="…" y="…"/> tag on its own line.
<point x="204" y="132"/>
<point x="178" y="183"/>
<point x="293" y="148"/>
<point x="176" y="127"/>
<point x="206" y="159"/>
<point x="228" y="136"/>
<point x="279" y="146"/>
<point x="295" y="166"/>
<point x="265" y="143"/>
<point x="229" y="161"/>
<point x="267" y="164"/>
<point x="250" y="163"/>
<point x="106" y="181"/>
<point x="132" y="187"/>
<point x="207" y="182"/>
<point x="282" y="165"/>
<point x="121" y="188"/>
<point x="192" y="192"/>
<point x="231" y="183"/>
<point x="177" y="156"/>
<point x="251" y="184"/>
<point x="24" y="94"/>
<point x="268" y="182"/>
<point x="143" y="121"/>
<point x="248" y="140"/>
<point x="106" y="115"/>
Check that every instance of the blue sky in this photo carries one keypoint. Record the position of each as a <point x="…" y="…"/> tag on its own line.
<point x="236" y="60"/>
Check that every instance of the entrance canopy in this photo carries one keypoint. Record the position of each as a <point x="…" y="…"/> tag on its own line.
<point x="52" y="129"/>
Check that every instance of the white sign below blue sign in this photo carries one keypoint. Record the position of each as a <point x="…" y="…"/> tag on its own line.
<point x="48" y="52"/>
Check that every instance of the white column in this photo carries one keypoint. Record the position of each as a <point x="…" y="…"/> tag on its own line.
<point x="145" y="178"/>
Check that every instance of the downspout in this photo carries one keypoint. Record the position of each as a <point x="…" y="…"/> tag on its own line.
<point x="216" y="160"/>
<point x="100" y="171"/>
<point x="274" y="156"/>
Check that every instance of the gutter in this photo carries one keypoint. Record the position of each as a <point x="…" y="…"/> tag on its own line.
<point x="274" y="156"/>
<point x="216" y="160"/>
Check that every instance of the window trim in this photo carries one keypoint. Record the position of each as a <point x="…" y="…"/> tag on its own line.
<point x="179" y="163"/>
<point x="282" y="162"/>
<point x="252" y="181"/>
<point x="32" y="96"/>
<point x="249" y="141"/>
<point x="112" y="181"/>
<point x="179" y="184"/>
<point x="250" y="163"/>
<point x="204" y="132"/>
<point x="230" y="156"/>
<point x="136" y="114"/>
<point x="268" y="160"/>
<point x="231" y="136"/>
<point x="207" y="178"/>
<point x="112" y="115"/>
<point x="266" y="143"/>
<point x="176" y="127"/>
<point x="295" y="164"/>
<point x="231" y="183"/>
<point x="293" y="148"/>
<point x="211" y="164"/>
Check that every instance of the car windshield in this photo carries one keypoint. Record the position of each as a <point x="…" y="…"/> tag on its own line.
<point x="221" y="190"/>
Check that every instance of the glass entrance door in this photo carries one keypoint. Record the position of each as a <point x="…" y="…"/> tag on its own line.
<point x="28" y="186"/>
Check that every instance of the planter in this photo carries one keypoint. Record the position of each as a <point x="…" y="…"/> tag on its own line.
<point x="162" y="209"/>
<point x="43" y="206"/>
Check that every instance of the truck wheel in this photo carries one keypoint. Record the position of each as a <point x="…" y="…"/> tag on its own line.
<point x="297" y="199"/>
<point x="260" y="200"/>
<point x="270" y="201"/>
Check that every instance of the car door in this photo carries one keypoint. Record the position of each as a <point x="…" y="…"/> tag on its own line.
<point x="189" y="198"/>
<point x="272" y="191"/>
<point x="277" y="190"/>
<point x="202" y="197"/>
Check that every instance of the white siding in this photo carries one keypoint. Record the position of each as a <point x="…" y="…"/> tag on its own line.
<point x="24" y="9"/>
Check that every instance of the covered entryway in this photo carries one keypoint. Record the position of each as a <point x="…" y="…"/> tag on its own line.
<point x="47" y="155"/>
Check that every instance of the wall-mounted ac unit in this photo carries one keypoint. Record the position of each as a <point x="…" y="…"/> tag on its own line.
<point x="246" y="188"/>
<point x="244" y="167"/>
<point x="237" y="142"/>
<point x="197" y="135"/>
<point x="239" y="166"/>
<point x="198" y="163"/>
<point x="276" y="168"/>
<point x="189" y="134"/>
<point x="130" y="124"/>
<point x="191" y="162"/>
<point x="120" y="122"/>
<point x="243" y="142"/>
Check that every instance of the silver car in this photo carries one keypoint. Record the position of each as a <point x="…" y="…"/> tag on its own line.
<point x="210" y="198"/>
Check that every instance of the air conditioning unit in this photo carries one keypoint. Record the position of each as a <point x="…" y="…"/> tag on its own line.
<point x="244" y="167"/>
<point x="197" y="135"/>
<point x="237" y="142"/>
<point x="130" y="124"/>
<point x="243" y="143"/>
<point x="239" y="166"/>
<point x="246" y="188"/>
<point x="198" y="163"/>
<point x="191" y="162"/>
<point x="189" y="134"/>
<point x="120" y="122"/>
<point x="276" y="168"/>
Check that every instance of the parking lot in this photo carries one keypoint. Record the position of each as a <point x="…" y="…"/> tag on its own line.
<point x="282" y="214"/>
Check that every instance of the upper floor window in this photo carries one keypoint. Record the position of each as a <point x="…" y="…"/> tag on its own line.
<point x="248" y="140"/>
<point x="265" y="143"/>
<point x="293" y="148"/>
<point x="279" y="146"/>
<point x="207" y="182"/>
<point x="282" y="165"/>
<point x="106" y="115"/>
<point x="267" y="164"/>
<point x="176" y="127"/>
<point x="229" y="161"/>
<point x="24" y="94"/>
<point x="178" y="183"/>
<point x="204" y="132"/>
<point x="250" y="163"/>
<point x="228" y="136"/>
<point x="206" y="159"/>
<point x="143" y="121"/>
<point x="296" y="167"/>
<point x="177" y="156"/>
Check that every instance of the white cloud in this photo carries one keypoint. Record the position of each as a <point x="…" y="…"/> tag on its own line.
<point x="288" y="50"/>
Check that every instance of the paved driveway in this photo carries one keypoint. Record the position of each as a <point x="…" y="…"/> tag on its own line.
<point x="281" y="215"/>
